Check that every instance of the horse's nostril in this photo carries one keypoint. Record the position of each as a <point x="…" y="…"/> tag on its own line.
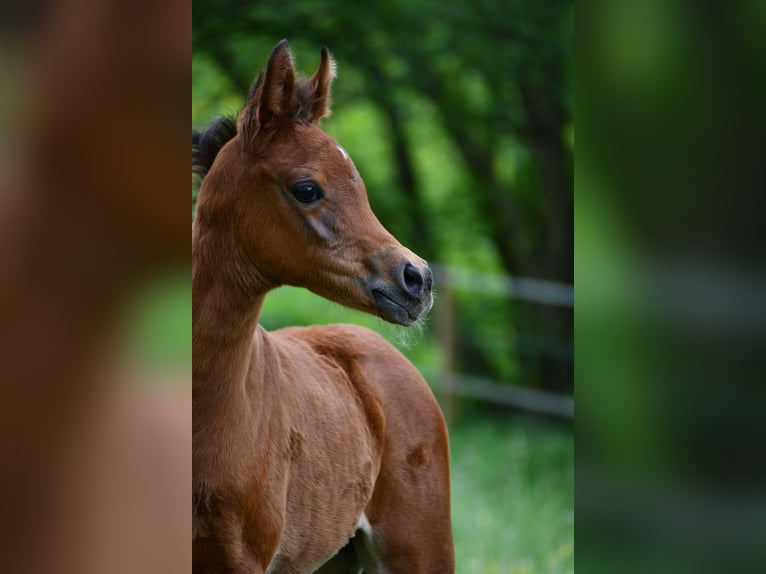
<point x="413" y="280"/>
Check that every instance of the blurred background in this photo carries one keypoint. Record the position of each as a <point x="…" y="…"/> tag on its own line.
<point x="95" y="335"/>
<point x="670" y="287"/>
<point x="459" y="116"/>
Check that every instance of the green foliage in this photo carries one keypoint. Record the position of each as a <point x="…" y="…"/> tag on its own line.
<point x="159" y="323"/>
<point x="213" y="92"/>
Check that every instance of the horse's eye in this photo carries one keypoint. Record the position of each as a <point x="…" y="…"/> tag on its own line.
<point x="307" y="192"/>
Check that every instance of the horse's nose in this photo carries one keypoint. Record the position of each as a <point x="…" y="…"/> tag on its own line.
<point x="416" y="281"/>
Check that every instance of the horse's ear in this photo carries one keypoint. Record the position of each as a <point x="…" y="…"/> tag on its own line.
<point x="255" y="85"/>
<point x="318" y="99"/>
<point x="272" y="93"/>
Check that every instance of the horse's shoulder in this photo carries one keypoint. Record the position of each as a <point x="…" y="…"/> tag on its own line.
<point x="369" y="360"/>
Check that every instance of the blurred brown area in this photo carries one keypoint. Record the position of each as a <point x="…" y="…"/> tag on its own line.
<point x="95" y="459"/>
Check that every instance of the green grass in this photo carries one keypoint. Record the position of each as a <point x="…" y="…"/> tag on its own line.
<point x="512" y="497"/>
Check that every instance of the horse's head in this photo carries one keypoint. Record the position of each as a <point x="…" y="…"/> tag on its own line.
<point x="297" y="207"/>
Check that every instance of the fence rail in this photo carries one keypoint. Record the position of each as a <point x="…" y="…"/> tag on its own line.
<point x="533" y="400"/>
<point x="451" y="384"/>
<point x="513" y="287"/>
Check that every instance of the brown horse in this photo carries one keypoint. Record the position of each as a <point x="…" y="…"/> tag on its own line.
<point x="321" y="448"/>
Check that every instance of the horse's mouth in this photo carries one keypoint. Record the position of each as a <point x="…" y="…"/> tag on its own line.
<point x="396" y="310"/>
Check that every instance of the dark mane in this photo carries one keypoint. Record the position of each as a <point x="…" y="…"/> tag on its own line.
<point x="207" y="144"/>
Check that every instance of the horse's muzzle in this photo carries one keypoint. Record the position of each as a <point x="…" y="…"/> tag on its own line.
<point x="407" y="296"/>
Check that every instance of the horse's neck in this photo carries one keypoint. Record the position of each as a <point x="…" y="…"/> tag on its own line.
<point x="228" y="347"/>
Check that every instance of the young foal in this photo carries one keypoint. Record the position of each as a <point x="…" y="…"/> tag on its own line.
<point x="321" y="448"/>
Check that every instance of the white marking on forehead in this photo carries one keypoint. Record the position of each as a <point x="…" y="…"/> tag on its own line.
<point x="344" y="152"/>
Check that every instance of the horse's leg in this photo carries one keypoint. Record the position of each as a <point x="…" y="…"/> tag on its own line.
<point x="232" y="545"/>
<point x="409" y="530"/>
